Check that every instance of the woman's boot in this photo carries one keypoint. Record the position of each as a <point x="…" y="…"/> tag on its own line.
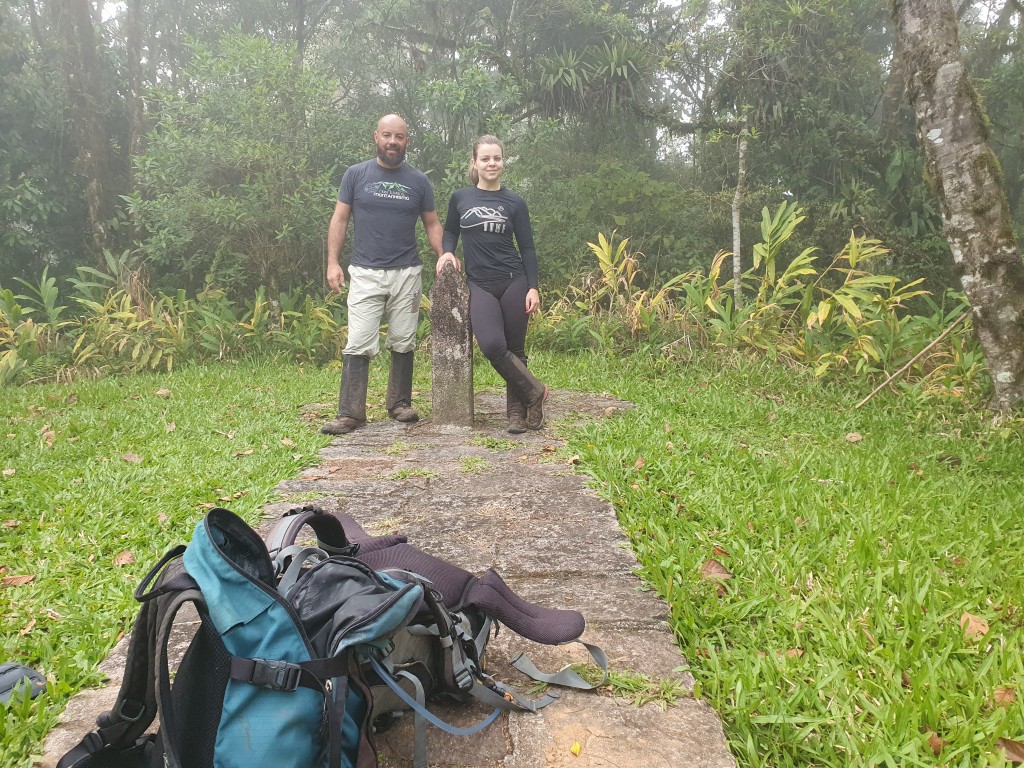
<point x="530" y="390"/>
<point x="516" y="412"/>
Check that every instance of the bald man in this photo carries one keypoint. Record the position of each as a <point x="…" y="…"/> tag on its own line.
<point x="383" y="197"/>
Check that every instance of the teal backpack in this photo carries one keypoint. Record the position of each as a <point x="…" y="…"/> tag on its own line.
<point x="294" y="657"/>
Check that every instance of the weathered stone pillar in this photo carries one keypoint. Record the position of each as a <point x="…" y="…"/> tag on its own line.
<point x="451" y="349"/>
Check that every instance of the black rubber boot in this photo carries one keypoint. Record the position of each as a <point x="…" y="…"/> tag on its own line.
<point x="516" y="412"/>
<point x="355" y="375"/>
<point x="525" y="385"/>
<point x="399" y="399"/>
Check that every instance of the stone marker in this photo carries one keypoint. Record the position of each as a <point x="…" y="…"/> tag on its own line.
<point x="451" y="345"/>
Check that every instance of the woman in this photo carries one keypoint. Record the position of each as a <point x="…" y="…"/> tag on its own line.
<point x="492" y="221"/>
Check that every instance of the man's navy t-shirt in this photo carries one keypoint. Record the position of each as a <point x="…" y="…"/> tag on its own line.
<point x="386" y="202"/>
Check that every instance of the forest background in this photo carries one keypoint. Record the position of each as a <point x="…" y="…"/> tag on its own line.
<point x="203" y="144"/>
<point x="168" y="171"/>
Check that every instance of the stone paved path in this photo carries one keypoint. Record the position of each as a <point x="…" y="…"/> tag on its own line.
<point x="483" y="498"/>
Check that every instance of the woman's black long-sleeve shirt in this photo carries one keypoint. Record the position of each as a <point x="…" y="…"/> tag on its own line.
<point x="488" y="221"/>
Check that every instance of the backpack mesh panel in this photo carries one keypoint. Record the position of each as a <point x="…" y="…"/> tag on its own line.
<point x="197" y="697"/>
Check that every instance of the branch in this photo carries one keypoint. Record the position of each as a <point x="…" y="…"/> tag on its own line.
<point x="913" y="360"/>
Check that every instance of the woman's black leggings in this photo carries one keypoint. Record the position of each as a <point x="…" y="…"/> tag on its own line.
<point x="497" y="310"/>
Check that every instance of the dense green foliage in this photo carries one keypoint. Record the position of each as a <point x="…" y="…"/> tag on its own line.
<point x="207" y="141"/>
<point x="839" y="317"/>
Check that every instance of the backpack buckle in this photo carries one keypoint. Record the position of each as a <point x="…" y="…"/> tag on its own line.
<point x="275" y="675"/>
<point x="463" y="678"/>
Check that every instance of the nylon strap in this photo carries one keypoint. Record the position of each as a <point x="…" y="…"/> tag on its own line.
<point x="566" y="676"/>
<point x="430" y="717"/>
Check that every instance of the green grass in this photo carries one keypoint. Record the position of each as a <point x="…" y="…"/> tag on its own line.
<point x="836" y="642"/>
<point x="473" y="465"/>
<point x="838" y="639"/>
<point x="127" y="465"/>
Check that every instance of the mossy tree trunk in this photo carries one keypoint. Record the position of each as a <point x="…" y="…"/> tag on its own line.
<point x="966" y="177"/>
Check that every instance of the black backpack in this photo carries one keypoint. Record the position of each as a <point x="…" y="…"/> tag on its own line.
<point x="441" y="652"/>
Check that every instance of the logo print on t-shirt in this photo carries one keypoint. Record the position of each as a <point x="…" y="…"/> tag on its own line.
<point x="389" y="189"/>
<point x="488" y="219"/>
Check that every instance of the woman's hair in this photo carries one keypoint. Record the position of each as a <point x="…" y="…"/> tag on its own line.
<point x="474" y="177"/>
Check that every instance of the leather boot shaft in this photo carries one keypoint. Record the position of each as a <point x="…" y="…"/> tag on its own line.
<point x="355" y="377"/>
<point x="515" y="410"/>
<point x="399" y="397"/>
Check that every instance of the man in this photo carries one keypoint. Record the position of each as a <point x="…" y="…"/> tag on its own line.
<point x="384" y="197"/>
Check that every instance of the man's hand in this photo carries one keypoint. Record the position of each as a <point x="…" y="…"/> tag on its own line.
<point x="335" y="277"/>
<point x="447" y="258"/>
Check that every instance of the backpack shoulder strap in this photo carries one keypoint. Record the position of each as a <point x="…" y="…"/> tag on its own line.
<point x="330" y="532"/>
<point x="120" y="729"/>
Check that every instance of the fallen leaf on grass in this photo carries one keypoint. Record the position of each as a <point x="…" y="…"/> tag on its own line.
<point x="286" y="441"/>
<point x="719" y="552"/>
<point x="170" y="426"/>
<point x="950" y="461"/>
<point x="27" y="628"/>
<point x="16" y="581"/>
<point x="974" y="627"/>
<point x="162" y="392"/>
<point x="132" y="458"/>
<point x="549" y="448"/>
<point x="125" y="558"/>
<point x="639" y="463"/>
<point x="12" y="523"/>
<point x="207" y="505"/>
<point x="48" y="435"/>
<point x="162" y="518"/>
<point x="573" y="461"/>
<point x="1013" y="751"/>
<point x="854" y="437"/>
<point x="669" y="445"/>
<point x="1004" y="697"/>
<point x="247" y="452"/>
<point x="9" y="472"/>
<point x="936" y="742"/>
<point x="712" y="570"/>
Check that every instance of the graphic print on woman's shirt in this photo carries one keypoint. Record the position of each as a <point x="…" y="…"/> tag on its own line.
<point x="488" y="219"/>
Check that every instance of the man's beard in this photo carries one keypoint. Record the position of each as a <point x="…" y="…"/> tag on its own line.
<point x="397" y="156"/>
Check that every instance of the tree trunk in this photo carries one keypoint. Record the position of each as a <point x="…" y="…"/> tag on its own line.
<point x="737" y="241"/>
<point x="74" y="23"/>
<point x="136" y="108"/>
<point x="968" y="183"/>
